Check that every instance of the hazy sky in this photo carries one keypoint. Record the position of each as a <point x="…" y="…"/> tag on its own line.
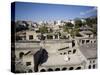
<point x="40" y="12"/>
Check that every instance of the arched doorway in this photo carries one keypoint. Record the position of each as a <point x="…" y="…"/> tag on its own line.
<point x="74" y="51"/>
<point x="57" y="69"/>
<point x="42" y="70"/>
<point x="89" y="67"/>
<point x="94" y="66"/>
<point x="21" y="54"/>
<point x="69" y="52"/>
<point x="83" y="41"/>
<point x="50" y="69"/>
<point x="60" y="53"/>
<point x="30" y="70"/>
<point x="78" y="68"/>
<point x="64" y="53"/>
<point x="71" y="68"/>
<point x="73" y="43"/>
<point x="63" y="69"/>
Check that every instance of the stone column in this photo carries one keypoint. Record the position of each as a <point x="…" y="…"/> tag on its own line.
<point x="53" y="37"/>
<point x="58" y="37"/>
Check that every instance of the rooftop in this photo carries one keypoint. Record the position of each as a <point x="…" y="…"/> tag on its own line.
<point x="89" y="50"/>
<point x="56" y="59"/>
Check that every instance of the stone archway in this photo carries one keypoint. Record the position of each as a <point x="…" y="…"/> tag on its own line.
<point x="30" y="70"/>
<point x="74" y="51"/>
<point x="42" y="70"/>
<point x="94" y="66"/>
<point x="50" y="69"/>
<point x="64" y="68"/>
<point x="89" y="66"/>
<point x="57" y="69"/>
<point x="78" y="68"/>
<point x="21" y="54"/>
<point x="71" y="68"/>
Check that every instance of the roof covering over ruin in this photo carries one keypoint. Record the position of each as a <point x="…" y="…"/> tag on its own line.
<point x="89" y="50"/>
<point x="56" y="59"/>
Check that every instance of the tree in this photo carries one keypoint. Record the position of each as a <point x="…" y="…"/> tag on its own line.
<point x="91" y="21"/>
<point x="65" y="29"/>
<point x="67" y="26"/>
<point x="21" y="26"/>
<point x="78" y="23"/>
<point x="43" y="29"/>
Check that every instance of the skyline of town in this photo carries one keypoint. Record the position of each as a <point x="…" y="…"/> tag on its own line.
<point x="51" y="12"/>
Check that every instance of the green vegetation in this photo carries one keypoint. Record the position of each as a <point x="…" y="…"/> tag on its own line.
<point x="71" y="29"/>
<point x="78" y="23"/>
<point x="67" y="27"/>
<point x="74" y="30"/>
<point x="43" y="29"/>
<point x="94" y="31"/>
<point x="91" y="21"/>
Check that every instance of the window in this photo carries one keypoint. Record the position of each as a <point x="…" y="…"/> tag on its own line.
<point x="93" y="61"/>
<point x="37" y="31"/>
<point x="49" y="37"/>
<point x="18" y="38"/>
<point x="21" y="54"/>
<point x="68" y="58"/>
<point x="28" y="63"/>
<point x="83" y="41"/>
<point x="90" y="61"/>
<point x="42" y="70"/>
<point x="50" y="69"/>
<point x="87" y="41"/>
<point x="89" y="67"/>
<point x="60" y="53"/>
<point x="69" y="51"/>
<point x="95" y="41"/>
<point x="30" y="37"/>
<point x="94" y="66"/>
<point x="64" y="37"/>
<point x="89" y="35"/>
<point x="74" y="51"/>
<point x="64" y="53"/>
<point x="73" y="43"/>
